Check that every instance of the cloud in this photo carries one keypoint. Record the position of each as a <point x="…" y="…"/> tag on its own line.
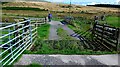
<point x="93" y="3"/>
<point x="55" y="0"/>
<point x="117" y="1"/>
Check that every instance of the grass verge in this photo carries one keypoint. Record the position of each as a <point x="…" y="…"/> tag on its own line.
<point x="34" y="65"/>
<point x="43" y="31"/>
<point x="63" y="35"/>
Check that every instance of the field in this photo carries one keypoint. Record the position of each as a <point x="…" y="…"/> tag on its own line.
<point x="112" y="21"/>
<point x="58" y="7"/>
<point x="40" y="9"/>
<point x="81" y="23"/>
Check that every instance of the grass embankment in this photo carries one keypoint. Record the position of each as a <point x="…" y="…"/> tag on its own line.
<point x="43" y="31"/>
<point x="63" y="35"/>
<point x="80" y="27"/>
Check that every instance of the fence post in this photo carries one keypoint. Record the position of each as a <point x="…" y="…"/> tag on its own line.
<point x="118" y="40"/>
<point x="14" y="33"/>
<point x="93" y="31"/>
<point x="36" y="26"/>
<point x="23" y="34"/>
<point x="30" y="30"/>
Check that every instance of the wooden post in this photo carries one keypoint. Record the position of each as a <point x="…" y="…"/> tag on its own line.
<point x="93" y="31"/>
<point x="118" y="40"/>
<point x="102" y="34"/>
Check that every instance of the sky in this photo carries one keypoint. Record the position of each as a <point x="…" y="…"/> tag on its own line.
<point x="87" y="2"/>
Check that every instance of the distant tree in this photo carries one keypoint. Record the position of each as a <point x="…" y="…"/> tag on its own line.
<point x="106" y="5"/>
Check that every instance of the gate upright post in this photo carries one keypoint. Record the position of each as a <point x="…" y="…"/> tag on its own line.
<point x="10" y="43"/>
<point x="118" y="40"/>
<point x="30" y="30"/>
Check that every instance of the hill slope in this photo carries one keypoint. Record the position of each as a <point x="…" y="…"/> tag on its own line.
<point x="59" y="7"/>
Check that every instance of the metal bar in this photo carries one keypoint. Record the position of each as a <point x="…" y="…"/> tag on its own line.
<point x="34" y="33"/>
<point x="12" y="52"/>
<point x="31" y="34"/>
<point x="34" y="29"/>
<point x="30" y="30"/>
<point x="34" y="36"/>
<point x="19" y="54"/>
<point x="15" y="54"/>
<point x="10" y="43"/>
<point x="11" y="40"/>
<point x="13" y="32"/>
<point x="12" y="25"/>
<point x="12" y="46"/>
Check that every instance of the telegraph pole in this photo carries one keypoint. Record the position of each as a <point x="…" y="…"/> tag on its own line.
<point x="70" y="9"/>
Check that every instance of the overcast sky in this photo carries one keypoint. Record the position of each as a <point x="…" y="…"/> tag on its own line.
<point x="86" y="2"/>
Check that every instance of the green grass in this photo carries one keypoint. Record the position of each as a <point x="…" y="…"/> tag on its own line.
<point x="112" y="21"/>
<point x="80" y="27"/>
<point x="63" y="34"/>
<point x="43" y="31"/>
<point x="65" y="47"/>
<point x="30" y="65"/>
<point x="57" y="19"/>
<point x="34" y="65"/>
<point x="17" y="59"/>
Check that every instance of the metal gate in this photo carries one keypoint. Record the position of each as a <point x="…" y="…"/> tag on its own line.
<point x="15" y="39"/>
